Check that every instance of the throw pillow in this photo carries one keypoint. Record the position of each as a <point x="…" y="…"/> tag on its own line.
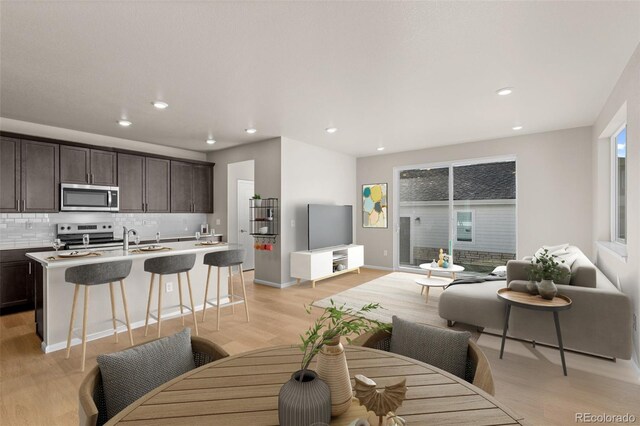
<point x="553" y="250"/>
<point x="129" y="374"/>
<point x="445" y="349"/>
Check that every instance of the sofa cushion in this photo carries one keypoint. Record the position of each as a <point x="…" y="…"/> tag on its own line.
<point x="442" y="348"/>
<point x="583" y="272"/>
<point x="129" y="374"/>
<point x="553" y="250"/>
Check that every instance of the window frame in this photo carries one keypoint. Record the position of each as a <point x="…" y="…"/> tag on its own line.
<point x="473" y="226"/>
<point x="614" y="187"/>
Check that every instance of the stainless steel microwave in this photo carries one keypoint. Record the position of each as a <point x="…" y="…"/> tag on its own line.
<point x="89" y="198"/>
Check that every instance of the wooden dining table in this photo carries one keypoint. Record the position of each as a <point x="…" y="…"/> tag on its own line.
<point x="243" y="390"/>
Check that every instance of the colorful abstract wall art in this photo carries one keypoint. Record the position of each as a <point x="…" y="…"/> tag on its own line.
<point x="374" y="205"/>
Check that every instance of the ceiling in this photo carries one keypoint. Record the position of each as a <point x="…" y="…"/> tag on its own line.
<point x="399" y="75"/>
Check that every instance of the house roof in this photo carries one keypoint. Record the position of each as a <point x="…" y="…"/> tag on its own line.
<point x="489" y="181"/>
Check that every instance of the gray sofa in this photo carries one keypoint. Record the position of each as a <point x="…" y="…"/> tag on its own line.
<point x="599" y="321"/>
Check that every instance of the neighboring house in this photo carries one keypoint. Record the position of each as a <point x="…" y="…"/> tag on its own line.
<point x="484" y="202"/>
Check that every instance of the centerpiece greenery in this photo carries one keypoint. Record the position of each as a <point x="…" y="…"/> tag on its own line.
<point x="337" y="321"/>
<point x="545" y="267"/>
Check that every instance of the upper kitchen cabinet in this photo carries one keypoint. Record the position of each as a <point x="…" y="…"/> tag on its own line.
<point x="29" y="173"/>
<point x="191" y="188"/>
<point x="39" y="177"/>
<point x="88" y="166"/>
<point x="144" y="184"/>
<point x="9" y="175"/>
<point x="131" y="175"/>
<point x="157" y="184"/>
<point x="202" y="189"/>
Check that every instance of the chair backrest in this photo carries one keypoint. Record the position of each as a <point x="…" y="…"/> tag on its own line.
<point x="92" y="407"/>
<point x="98" y="273"/>
<point x="225" y="258"/>
<point x="175" y="264"/>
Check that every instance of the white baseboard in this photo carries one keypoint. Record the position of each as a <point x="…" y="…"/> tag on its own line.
<point x="381" y="268"/>
<point x="275" y="285"/>
<point x="121" y="328"/>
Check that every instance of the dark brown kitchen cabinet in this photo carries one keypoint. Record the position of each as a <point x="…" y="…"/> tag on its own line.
<point x="88" y="166"/>
<point x="18" y="281"/>
<point x="191" y="188"/>
<point x="157" y="184"/>
<point x="202" y="189"/>
<point x="9" y="175"/>
<point x="181" y="187"/>
<point x="29" y="176"/>
<point x="131" y="178"/>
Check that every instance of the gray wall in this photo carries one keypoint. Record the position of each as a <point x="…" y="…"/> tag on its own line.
<point x="627" y="90"/>
<point x="267" y="157"/>
<point x="311" y="175"/>
<point x="554" y="188"/>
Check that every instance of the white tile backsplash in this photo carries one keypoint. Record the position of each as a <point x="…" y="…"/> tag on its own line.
<point x="33" y="228"/>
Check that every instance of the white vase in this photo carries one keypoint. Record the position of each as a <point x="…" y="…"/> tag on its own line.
<point x="332" y="369"/>
<point x="257" y="202"/>
<point x="547" y="289"/>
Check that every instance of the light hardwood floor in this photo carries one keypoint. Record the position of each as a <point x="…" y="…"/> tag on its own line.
<point x="39" y="389"/>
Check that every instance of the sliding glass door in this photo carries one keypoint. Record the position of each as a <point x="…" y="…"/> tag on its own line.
<point x="467" y="209"/>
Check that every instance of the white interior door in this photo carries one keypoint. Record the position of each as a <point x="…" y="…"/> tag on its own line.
<point x="245" y="192"/>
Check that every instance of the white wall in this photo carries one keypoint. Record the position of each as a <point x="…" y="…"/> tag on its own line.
<point x="242" y="170"/>
<point x="311" y="174"/>
<point x="626" y="91"/>
<point x="267" y="160"/>
<point x="554" y="188"/>
<point x="34" y="129"/>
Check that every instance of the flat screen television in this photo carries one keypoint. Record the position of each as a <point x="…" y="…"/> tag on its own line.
<point x="329" y="225"/>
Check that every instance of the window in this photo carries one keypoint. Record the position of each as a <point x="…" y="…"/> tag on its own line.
<point x="464" y="226"/>
<point x="619" y="187"/>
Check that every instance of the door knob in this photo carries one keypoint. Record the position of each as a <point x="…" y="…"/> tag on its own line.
<point x="242" y="230"/>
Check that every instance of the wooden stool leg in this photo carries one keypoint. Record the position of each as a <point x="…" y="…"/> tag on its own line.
<point x="218" y="301"/>
<point x="73" y="317"/>
<point x="180" y="294"/>
<point x="84" y="325"/>
<point x="146" y="321"/>
<point x="206" y="293"/>
<point x="113" y="312"/>
<point x="126" y="311"/>
<point x="159" y="304"/>
<point x="244" y="293"/>
<point x="426" y="299"/>
<point x="193" y="309"/>
<point x="233" y="307"/>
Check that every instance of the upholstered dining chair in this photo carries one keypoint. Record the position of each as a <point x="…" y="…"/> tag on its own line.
<point x="92" y="405"/>
<point x="477" y="370"/>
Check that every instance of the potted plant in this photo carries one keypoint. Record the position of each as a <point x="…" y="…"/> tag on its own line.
<point x="548" y="269"/>
<point x="314" y="396"/>
<point x="533" y="276"/>
<point x="257" y="201"/>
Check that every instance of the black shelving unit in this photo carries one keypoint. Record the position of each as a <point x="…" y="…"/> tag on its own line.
<point x="265" y="216"/>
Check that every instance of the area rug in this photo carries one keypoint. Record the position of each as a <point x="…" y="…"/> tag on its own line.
<point x="398" y="294"/>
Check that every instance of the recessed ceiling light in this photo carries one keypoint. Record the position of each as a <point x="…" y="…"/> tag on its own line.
<point x="250" y="130"/>
<point x="381" y="148"/>
<point x="211" y="141"/>
<point x="331" y="129"/>
<point x="160" y="104"/>
<point x="124" y="123"/>
<point x="517" y="127"/>
<point x="505" y="91"/>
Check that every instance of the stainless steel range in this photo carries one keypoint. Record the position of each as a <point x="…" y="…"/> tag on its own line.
<point x="100" y="235"/>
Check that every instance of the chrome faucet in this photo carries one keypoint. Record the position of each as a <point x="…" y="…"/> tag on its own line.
<point x="125" y="237"/>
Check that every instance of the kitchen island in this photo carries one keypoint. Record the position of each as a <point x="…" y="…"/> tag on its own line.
<point x="57" y="294"/>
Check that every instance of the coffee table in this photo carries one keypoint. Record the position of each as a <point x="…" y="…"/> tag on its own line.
<point x="452" y="269"/>
<point x="535" y="302"/>
<point x="432" y="282"/>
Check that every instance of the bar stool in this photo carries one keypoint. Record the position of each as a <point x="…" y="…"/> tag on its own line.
<point x="96" y="274"/>
<point x="167" y="265"/>
<point x="221" y="259"/>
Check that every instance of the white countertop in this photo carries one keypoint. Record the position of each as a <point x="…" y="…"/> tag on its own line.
<point x="20" y="245"/>
<point x="118" y="254"/>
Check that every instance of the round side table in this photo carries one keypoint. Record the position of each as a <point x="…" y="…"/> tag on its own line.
<point x="530" y="301"/>
<point x="452" y="269"/>
<point x="431" y="282"/>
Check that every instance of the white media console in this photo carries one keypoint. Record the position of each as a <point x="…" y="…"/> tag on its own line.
<point x="316" y="265"/>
